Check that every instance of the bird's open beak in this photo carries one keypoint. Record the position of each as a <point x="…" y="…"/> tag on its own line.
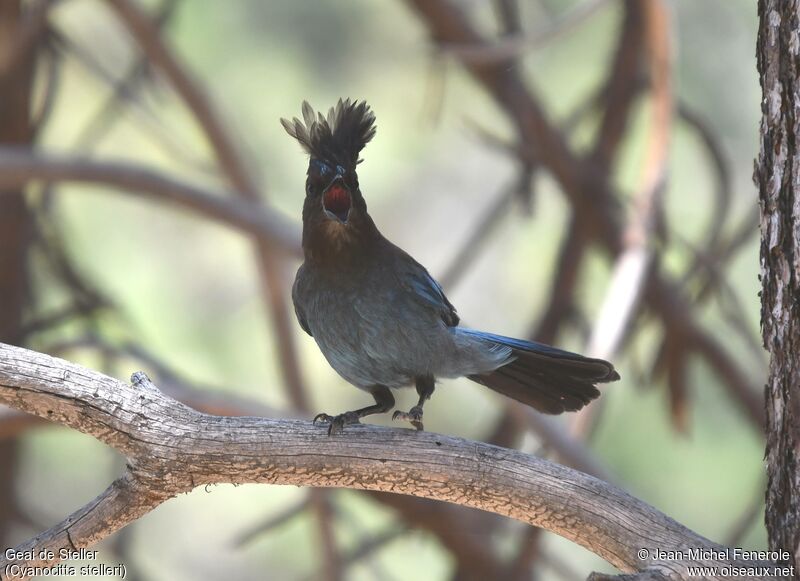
<point x="336" y="200"/>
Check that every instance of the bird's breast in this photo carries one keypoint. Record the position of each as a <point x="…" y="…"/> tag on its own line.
<point x="369" y="330"/>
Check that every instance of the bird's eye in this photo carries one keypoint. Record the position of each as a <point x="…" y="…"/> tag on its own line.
<point x="340" y="170"/>
<point x="320" y="168"/>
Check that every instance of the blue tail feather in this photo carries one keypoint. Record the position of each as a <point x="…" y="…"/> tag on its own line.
<point x="520" y="344"/>
<point x="549" y="379"/>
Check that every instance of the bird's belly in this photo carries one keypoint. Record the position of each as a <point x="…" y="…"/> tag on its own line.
<point x="368" y="342"/>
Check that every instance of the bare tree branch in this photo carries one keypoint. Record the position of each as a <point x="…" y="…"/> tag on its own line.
<point x="18" y="167"/>
<point x="628" y="278"/>
<point x="203" y="398"/>
<point x="371" y="544"/>
<point x="171" y="448"/>
<point x="564" y="446"/>
<point x="476" y="239"/>
<point x="621" y="87"/>
<point x="24" y="39"/>
<point x="514" y="45"/>
<point x="629" y="274"/>
<point x="720" y="165"/>
<point x="127" y="498"/>
<point x="561" y="303"/>
<point x="451" y="525"/>
<point x="272" y="522"/>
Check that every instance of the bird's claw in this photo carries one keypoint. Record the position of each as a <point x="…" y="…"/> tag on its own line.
<point x="323" y="419"/>
<point x="414" y="416"/>
<point x="337" y="423"/>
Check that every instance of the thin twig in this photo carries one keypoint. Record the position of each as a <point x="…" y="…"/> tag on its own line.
<point x="734" y="377"/>
<point x="372" y="544"/>
<point x="722" y="174"/>
<point x="459" y="531"/>
<point x="511" y="46"/>
<point x="477" y="237"/>
<point x="565" y="447"/>
<point x="748" y="517"/>
<point x="274" y="521"/>
<point x="620" y="89"/>
<point x="528" y="553"/>
<point x="561" y="302"/>
<point x="146" y="119"/>
<point x="124" y="89"/>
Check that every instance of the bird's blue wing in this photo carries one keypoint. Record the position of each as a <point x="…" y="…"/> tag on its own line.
<point x="430" y="292"/>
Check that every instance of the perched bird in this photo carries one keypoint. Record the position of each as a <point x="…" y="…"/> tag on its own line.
<point x="380" y="319"/>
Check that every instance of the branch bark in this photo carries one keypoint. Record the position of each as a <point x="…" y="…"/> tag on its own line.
<point x="171" y="448"/>
<point x="777" y="175"/>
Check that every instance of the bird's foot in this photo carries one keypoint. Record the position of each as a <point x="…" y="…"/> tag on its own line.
<point x="414" y="415"/>
<point x="337" y="423"/>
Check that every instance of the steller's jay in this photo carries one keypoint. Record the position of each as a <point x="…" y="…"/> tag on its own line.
<point x="380" y="319"/>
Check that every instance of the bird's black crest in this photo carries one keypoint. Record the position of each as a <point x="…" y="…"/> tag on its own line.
<point x="337" y="138"/>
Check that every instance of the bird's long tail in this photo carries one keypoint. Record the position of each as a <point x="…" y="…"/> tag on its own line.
<point x="548" y="379"/>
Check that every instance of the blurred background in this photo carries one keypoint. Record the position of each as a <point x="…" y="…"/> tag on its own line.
<point x="547" y="160"/>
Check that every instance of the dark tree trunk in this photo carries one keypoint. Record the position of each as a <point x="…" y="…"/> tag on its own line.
<point x="778" y="177"/>
<point x="16" y="222"/>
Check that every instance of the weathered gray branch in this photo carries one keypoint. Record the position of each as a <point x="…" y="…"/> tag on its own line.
<point x="172" y="448"/>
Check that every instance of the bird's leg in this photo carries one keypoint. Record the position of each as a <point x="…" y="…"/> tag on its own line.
<point x="425" y="387"/>
<point x="384" y="401"/>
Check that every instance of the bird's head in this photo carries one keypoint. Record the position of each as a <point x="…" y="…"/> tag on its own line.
<point x="334" y="210"/>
